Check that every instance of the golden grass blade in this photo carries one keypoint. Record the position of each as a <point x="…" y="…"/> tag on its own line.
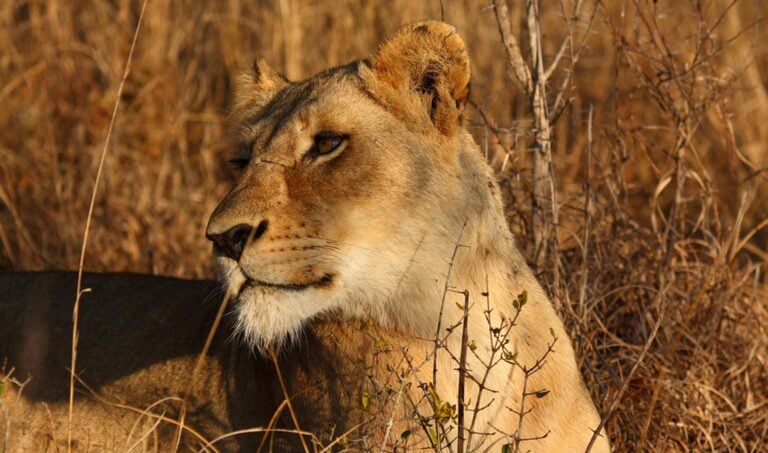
<point x="80" y="291"/>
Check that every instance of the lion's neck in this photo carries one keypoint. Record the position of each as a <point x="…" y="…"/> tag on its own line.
<point x="474" y="291"/>
<point x="481" y="270"/>
<point x="463" y="275"/>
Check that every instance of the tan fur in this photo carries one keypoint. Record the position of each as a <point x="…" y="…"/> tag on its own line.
<point x="355" y="251"/>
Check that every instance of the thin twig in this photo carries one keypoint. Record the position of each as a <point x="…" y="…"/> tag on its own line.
<point x="80" y="291"/>
<point x="587" y="209"/>
<point x="446" y="288"/>
<point x="391" y="420"/>
<point x="287" y="397"/>
<point x="463" y="371"/>
<point x="147" y="413"/>
<point x="271" y="423"/>
<point x="567" y="41"/>
<point x="199" y="365"/>
<point x="625" y="385"/>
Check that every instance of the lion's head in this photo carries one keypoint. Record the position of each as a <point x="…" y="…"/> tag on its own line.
<point x="354" y="187"/>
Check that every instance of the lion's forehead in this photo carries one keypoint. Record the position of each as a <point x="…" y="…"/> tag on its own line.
<point x="260" y="127"/>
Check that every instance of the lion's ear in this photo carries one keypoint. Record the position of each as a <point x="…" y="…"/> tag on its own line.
<point x="257" y="86"/>
<point x="424" y="63"/>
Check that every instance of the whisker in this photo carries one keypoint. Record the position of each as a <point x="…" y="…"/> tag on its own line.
<point x="333" y="241"/>
<point x="285" y="262"/>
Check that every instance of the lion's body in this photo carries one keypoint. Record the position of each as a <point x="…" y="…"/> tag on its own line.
<point x="364" y="201"/>
<point x="140" y="338"/>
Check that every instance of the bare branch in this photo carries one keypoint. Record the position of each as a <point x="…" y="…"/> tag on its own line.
<point x="515" y="59"/>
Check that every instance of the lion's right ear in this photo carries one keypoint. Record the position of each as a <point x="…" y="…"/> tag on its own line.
<point x="257" y="86"/>
<point x="422" y="75"/>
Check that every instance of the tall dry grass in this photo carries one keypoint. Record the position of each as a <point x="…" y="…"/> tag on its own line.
<point x="660" y="161"/>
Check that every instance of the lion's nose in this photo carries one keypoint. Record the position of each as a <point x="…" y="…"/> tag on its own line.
<point x="233" y="241"/>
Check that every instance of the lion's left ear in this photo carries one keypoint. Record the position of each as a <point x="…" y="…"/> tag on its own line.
<point x="257" y="86"/>
<point x="422" y="74"/>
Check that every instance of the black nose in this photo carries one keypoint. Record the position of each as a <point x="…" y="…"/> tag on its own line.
<point x="233" y="241"/>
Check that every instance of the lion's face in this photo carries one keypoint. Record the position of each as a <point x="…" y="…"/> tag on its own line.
<point x="344" y="178"/>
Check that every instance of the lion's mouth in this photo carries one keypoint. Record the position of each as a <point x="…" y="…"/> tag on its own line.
<point x="324" y="281"/>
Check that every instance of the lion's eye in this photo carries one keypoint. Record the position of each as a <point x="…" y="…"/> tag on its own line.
<point x="326" y="143"/>
<point x="239" y="163"/>
<point x="242" y="157"/>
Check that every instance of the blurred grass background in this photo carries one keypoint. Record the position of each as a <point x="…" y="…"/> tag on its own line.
<point x="682" y="230"/>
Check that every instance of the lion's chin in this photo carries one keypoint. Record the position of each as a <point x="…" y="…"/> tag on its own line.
<point x="268" y="317"/>
<point x="270" y="314"/>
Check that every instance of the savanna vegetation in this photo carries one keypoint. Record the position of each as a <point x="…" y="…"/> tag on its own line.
<point x="634" y="160"/>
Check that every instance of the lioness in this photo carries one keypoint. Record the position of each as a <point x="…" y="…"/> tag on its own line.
<point x="364" y="243"/>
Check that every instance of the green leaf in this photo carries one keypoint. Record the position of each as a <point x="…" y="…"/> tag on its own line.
<point x="506" y="448"/>
<point x="405" y="434"/>
<point x="365" y="401"/>
<point x="343" y="441"/>
<point x="434" y="395"/>
<point x="445" y="411"/>
<point x="552" y="331"/>
<point x="541" y="393"/>
<point x="472" y="345"/>
<point x="2" y="388"/>
<point x="432" y="436"/>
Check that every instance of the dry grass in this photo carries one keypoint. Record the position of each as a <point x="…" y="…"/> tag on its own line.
<point x="660" y="162"/>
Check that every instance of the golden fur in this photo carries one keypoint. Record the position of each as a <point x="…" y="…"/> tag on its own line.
<point x="365" y="250"/>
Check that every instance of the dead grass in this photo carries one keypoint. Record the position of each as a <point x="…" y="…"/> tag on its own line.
<point x="660" y="161"/>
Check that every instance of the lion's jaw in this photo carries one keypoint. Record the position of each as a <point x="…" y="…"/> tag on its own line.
<point x="267" y="316"/>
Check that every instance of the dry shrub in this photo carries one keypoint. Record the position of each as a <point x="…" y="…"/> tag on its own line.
<point x="660" y="160"/>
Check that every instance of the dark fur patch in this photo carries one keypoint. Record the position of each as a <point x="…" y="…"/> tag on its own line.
<point x="428" y="85"/>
